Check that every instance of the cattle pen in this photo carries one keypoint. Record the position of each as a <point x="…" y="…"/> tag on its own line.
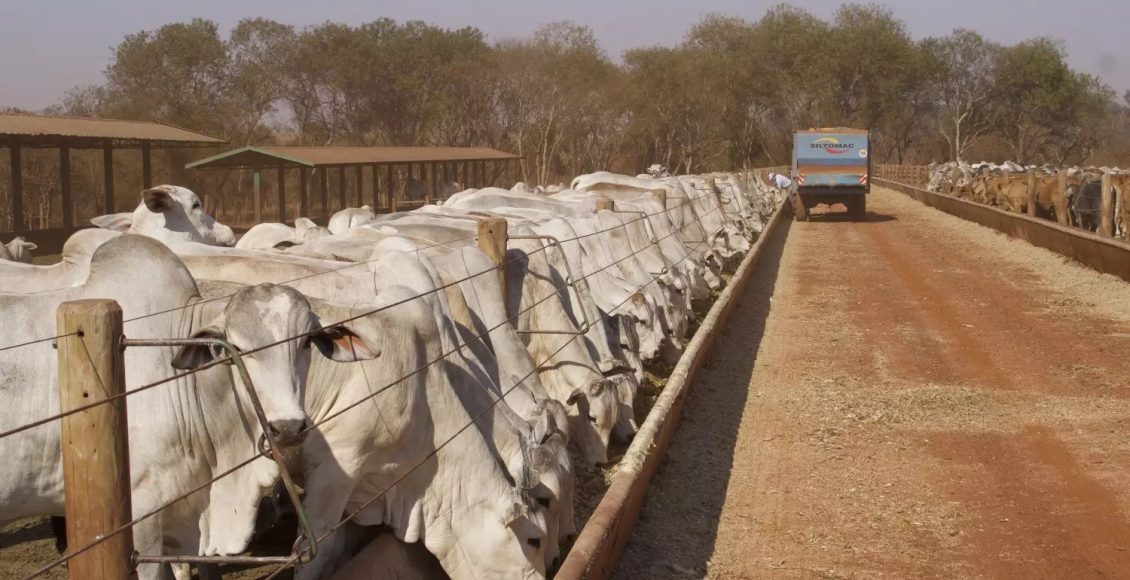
<point x="866" y="337"/>
<point x="93" y="340"/>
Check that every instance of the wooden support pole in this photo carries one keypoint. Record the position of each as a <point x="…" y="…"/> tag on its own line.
<point x="342" y="194"/>
<point x="462" y="169"/>
<point x="1062" y="216"/>
<point x="492" y="241"/>
<point x="282" y="195"/>
<point x="1106" y="226"/>
<point x="17" y="190"/>
<point x="374" y="197"/>
<point x="257" y="180"/>
<point x="393" y="184"/>
<point x="146" y="166"/>
<point x="303" y="200"/>
<point x="65" y="186"/>
<point x="432" y="189"/>
<point x="324" y="190"/>
<point x="360" y="187"/>
<point x="1032" y="197"/>
<point x="95" y="443"/>
<point x="108" y="205"/>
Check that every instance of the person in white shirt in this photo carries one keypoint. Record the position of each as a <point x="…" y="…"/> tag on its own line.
<point x="779" y="181"/>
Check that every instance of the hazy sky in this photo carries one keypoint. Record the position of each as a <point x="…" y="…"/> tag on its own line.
<point x="48" y="46"/>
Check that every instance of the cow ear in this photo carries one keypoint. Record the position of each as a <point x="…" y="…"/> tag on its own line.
<point x="29" y="246"/>
<point x="194" y="356"/>
<point x="158" y="200"/>
<point x="115" y="222"/>
<point x="302" y="224"/>
<point x="541" y="427"/>
<point x="343" y="345"/>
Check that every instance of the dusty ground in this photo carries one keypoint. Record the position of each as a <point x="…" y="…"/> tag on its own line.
<point x="930" y="400"/>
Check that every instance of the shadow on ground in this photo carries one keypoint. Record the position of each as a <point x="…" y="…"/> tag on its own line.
<point x="676" y="531"/>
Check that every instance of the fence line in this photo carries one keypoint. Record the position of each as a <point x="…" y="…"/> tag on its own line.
<point x="510" y="320"/>
<point x="1112" y="210"/>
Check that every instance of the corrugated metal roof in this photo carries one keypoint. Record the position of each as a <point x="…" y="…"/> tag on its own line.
<point x="86" y="128"/>
<point x="323" y="156"/>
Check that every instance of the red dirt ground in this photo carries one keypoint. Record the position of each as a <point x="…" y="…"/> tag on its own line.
<point x="917" y="399"/>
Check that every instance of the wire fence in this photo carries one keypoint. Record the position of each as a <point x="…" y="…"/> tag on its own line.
<point x="301" y="552"/>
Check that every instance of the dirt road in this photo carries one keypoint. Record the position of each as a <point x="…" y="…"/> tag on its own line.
<point x="919" y="397"/>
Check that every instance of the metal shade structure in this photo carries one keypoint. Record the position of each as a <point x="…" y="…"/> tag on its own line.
<point x="24" y="131"/>
<point x="400" y="176"/>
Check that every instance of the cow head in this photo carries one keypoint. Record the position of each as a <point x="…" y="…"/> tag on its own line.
<point x="170" y="214"/>
<point x="503" y="538"/>
<point x="267" y="314"/>
<point x="593" y="412"/>
<point x="17" y="250"/>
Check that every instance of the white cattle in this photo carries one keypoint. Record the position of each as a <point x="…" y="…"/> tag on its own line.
<point x="71" y="270"/>
<point x="17" y="250"/>
<point x="182" y="433"/>
<point x="529" y="451"/>
<point x="269" y="236"/>
<point x="420" y="469"/>
<point x="171" y="214"/>
<point x="350" y="218"/>
<point x="568" y="372"/>
<point x="179" y="220"/>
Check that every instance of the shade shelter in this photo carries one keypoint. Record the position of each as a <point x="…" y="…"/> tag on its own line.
<point x="21" y="131"/>
<point x="398" y="177"/>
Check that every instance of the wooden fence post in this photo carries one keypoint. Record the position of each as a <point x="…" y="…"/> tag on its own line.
<point x="1061" y="213"/>
<point x="1032" y="192"/>
<point x="95" y="443"/>
<point x="1106" y="225"/>
<point x="492" y="241"/>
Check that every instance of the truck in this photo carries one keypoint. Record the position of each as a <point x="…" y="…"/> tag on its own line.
<point x="831" y="166"/>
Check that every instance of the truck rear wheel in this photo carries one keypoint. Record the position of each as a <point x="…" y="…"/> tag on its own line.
<point x="857" y="206"/>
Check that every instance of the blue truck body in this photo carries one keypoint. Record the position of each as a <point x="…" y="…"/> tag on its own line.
<point x="832" y="166"/>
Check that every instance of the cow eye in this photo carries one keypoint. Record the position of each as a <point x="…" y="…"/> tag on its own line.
<point x="196" y="205"/>
<point x="543" y="502"/>
<point x="534" y="543"/>
<point x="592" y="419"/>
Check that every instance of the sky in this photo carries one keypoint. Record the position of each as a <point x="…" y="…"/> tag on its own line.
<point x="49" y="46"/>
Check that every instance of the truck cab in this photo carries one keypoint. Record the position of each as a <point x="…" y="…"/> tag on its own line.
<point x="831" y="166"/>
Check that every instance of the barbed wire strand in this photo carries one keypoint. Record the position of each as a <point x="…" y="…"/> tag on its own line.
<point x="464" y="344"/>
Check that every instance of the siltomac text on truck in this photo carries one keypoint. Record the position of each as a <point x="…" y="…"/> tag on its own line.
<point x="832" y="166"/>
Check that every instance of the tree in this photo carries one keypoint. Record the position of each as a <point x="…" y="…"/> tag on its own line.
<point x="964" y="79"/>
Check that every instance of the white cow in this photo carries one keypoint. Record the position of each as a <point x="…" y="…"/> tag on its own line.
<point x="182" y="433"/>
<point x="350" y="218"/>
<point x="171" y="214"/>
<point x="71" y="270"/>
<point x="269" y="236"/>
<point x="17" y="250"/>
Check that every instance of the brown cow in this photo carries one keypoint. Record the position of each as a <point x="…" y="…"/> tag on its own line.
<point x="1011" y="192"/>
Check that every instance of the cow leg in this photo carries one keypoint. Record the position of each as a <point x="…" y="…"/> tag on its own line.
<point x="330" y="480"/>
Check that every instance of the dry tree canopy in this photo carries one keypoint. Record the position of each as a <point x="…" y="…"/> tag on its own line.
<point x="728" y="94"/>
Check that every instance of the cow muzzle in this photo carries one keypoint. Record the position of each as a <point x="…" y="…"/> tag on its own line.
<point x="289" y="432"/>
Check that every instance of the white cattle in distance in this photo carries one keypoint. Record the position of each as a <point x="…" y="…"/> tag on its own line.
<point x="270" y="236"/>
<point x="17" y="250"/>
<point x="178" y="220"/>
<point x="349" y="218"/>
<point x="71" y="270"/>
<point x="170" y="214"/>
<point x="185" y="432"/>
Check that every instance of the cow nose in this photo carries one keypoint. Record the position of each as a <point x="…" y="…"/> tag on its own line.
<point x="288" y="431"/>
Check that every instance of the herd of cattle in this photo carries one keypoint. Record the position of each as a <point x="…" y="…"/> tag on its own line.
<point x="1005" y="185"/>
<point x="451" y="397"/>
